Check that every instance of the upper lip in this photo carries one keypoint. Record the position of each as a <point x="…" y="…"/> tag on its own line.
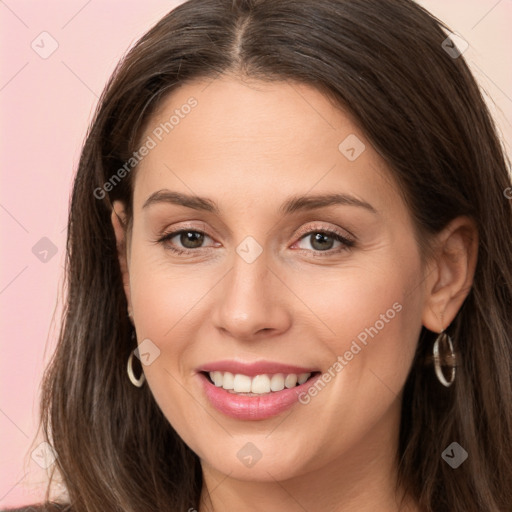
<point x="252" y="369"/>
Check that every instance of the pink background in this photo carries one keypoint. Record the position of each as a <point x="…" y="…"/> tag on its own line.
<point x="46" y="107"/>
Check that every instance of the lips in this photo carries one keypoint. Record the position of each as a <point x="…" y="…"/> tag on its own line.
<point x="254" y="391"/>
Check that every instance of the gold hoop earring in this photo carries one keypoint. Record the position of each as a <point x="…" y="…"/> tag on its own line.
<point x="445" y="339"/>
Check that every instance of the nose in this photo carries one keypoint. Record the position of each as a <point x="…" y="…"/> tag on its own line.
<point x="253" y="301"/>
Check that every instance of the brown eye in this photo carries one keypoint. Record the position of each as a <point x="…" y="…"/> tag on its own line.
<point x="321" y="241"/>
<point x="191" y="239"/>
<point x="186" y="240"/>
<point x="324" y="241"/>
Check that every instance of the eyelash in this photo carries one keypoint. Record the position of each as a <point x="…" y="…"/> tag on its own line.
<point x="347" y="243"/>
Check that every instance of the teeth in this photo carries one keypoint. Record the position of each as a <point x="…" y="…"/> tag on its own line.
<point x="242" y="384"/>
<point x="277" y="382"/>
<point x="217" y="378"/>
<point x="290" y="381"/>
<point x="260" y="384"/>
<point x="303" y="377"/>
<point x="228" y="382"/>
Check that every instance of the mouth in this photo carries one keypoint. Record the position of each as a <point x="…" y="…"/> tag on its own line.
<point x="259" y="396"/>
<point x="257" y="385"/>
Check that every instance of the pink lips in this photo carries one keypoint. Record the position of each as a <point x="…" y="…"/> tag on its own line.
<point x="253" y="407"/>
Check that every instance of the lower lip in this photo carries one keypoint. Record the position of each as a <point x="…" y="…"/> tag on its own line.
<point x="253" y="407"/>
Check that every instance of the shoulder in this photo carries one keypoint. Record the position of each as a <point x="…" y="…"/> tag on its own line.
<point x="48" y="507"/>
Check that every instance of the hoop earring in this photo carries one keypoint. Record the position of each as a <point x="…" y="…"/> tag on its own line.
<point x="136" y="382"/>
<point x="445" y="338"/>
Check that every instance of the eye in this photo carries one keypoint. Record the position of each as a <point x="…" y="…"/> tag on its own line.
<point x="320" y="240"/>
<point x="189" y="239"/>
<point x="323" y="241"/>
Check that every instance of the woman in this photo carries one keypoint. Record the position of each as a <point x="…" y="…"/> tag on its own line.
<point x="297" y="211"/>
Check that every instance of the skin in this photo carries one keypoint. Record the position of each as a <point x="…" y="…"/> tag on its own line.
<point x="248" y="146"/>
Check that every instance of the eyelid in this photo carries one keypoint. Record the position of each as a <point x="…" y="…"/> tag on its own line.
<point x="185" y="226"/>
<point x="166" y="236"/>
<point x="347" y="238"/>
<point x="324" y="228"/>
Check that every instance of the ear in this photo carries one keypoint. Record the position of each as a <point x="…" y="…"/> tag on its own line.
<point x="119" y="223"/>
<point x="451" y="273"/>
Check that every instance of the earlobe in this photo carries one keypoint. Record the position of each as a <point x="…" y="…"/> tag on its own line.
<point x="119" y="224"/>
<point x="452" y="276"/>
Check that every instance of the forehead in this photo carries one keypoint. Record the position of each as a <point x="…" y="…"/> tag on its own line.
<point x="244" y="141"/>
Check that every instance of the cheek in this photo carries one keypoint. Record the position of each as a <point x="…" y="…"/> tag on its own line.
<point x="365" y="303"/>
<point x="372" y="315"/>
<point x="164" y="294"/>
<point x="374" y="320"/>
<point x="164" y="302"/>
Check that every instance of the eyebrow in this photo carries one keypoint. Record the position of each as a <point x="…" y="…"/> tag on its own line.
<point x="291" y="205"/>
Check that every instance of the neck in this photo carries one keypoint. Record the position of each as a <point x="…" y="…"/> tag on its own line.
<point x="363" y="479"/>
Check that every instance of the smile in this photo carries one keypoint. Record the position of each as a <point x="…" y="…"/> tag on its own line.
<point x="257" y="385"/>
<point x="254" y="391"/>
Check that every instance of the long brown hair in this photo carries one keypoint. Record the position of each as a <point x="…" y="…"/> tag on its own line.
<point x="384" y="62"/>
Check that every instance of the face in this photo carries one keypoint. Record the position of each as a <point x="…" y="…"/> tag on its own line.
<point x="299" y="263"/>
